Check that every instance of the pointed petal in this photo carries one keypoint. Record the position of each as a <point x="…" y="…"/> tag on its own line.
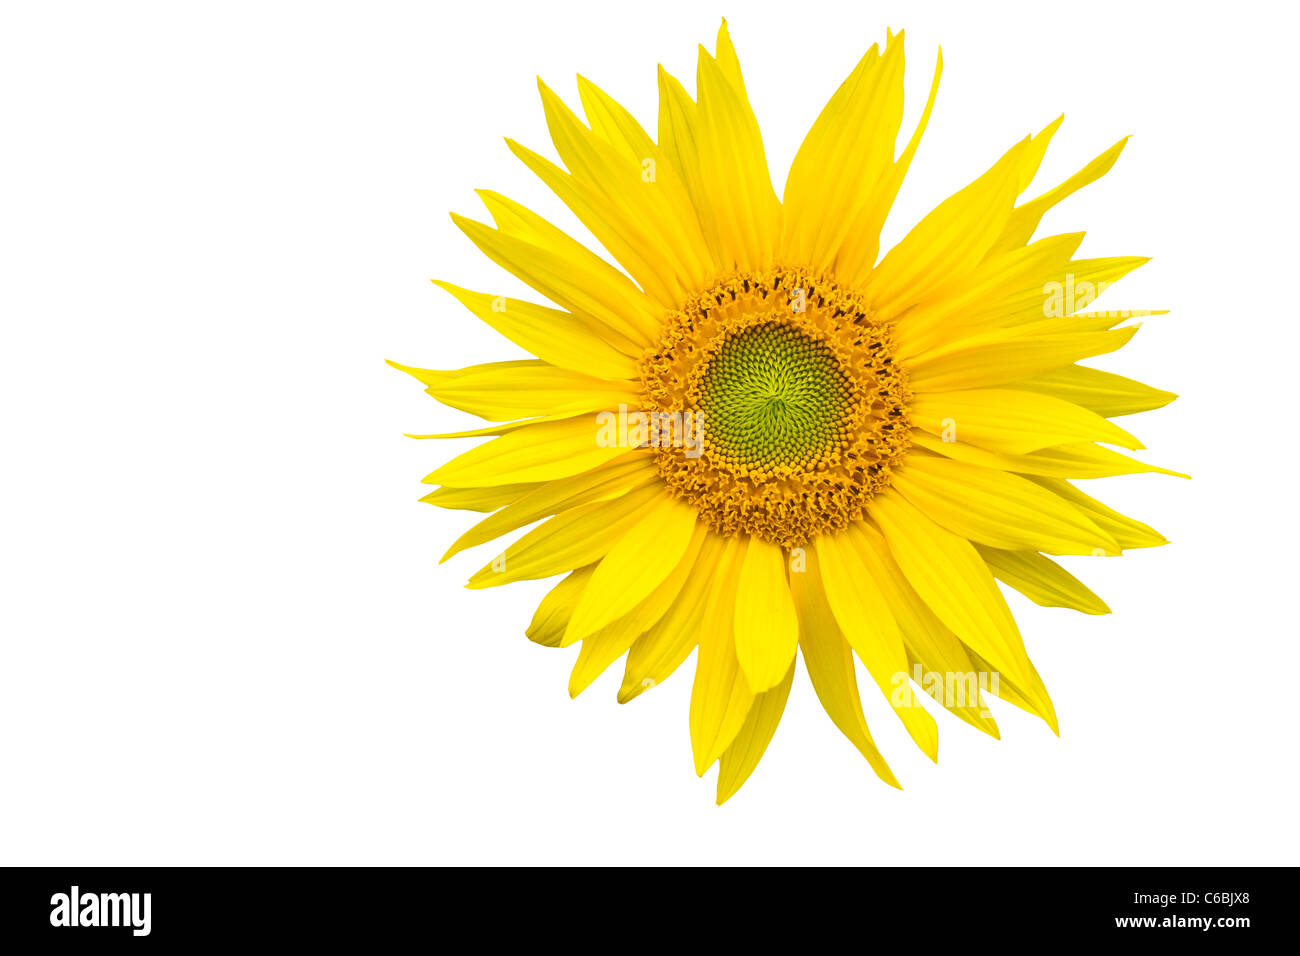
<point x="740" y="759"/>
<point x="1013" y="422"/>
<point x="720" y="696"/>
<point x="829" y="660"/>
<point x="636" y="565"/>
<point x="767" y="626"/>
<point x="552" y="497"/>
<point x="567" y="541"/>
<point x="535" y="453"/>
<point x="553" y="335"/>
<point x="1042" y="580"/>
<point x="552" y="614"/>
<point x="951" y="577"/>
<point x="853" y="590"/>
<point x="1105" y="393"/>
<point x="733" y="171"/>
<point x="998" y="509"/>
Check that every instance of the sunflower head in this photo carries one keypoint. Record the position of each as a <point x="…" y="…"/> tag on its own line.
<point x="755" y="438"/>
<point x="802" y="406"/>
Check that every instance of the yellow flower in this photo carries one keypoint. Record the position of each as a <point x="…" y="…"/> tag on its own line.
<point x="757" y="439"/>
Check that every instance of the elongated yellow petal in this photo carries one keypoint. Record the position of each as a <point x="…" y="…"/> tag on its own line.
<point x="1024" y="220"/>
<point x="599" y="484"/>
<point x="626" y="239"/>
<point x="767" y="627"/>
<point x="845" y="160"/>
<point x="829" y="660"/>
<point x="478" y="499"/>
<point x="1003" y="687"/>
<point x="949" y="241"/>
<point x="998" y="509"/>
<point x="606" y="645"/>
<point x="626" y="317"/>
<point x="1013" y="422"/>
<point x="670" y="641"/>
<point x="536" y="453"/>
<point x="1128" y="532"/>
<point x="854" y="593"/>
<point x="740" y="759"/>
<point x="500" y="428"/>
<point x="1073" y="460"/>
<point x="986" y="364"/>
<point x="567" y="541"/>
<point x="553" y="335"/>
<point x="1105" y="393"/>
<point x="733" y="171"/>
<point x="964" y="305"/>
<point x="504" y="391"/>
<point x="948" y="674"/>
<point x="552" y="614"/>
<point x="635" y="566"/>
<point x="1042" y="580"/>
<point x="720" y="696"/>
<point x="1072" y="289"/>
<point x="950" y="576"/>
<point x="677" y="140"/>
<point x="857" y="253"/>
<point x="515" y="219"/>
<point x="659" y="209"/>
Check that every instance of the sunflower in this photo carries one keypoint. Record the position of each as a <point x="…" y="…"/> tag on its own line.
<point x="759" y="437"/>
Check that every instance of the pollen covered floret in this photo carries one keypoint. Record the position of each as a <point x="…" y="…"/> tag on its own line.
<point x="802" y="406"/>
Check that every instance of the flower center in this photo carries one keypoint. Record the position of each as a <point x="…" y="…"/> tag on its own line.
<point x="773" y="395"/>
<point x="801" y="406"/>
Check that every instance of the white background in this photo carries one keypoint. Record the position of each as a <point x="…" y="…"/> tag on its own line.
<point x="226" y="636"/>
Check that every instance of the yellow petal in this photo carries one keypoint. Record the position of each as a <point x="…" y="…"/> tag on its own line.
<point x="998" y="509"/>
<point x="478" y="499"/>
<point x="1128" y="532"/>
<point x="659" y="209"/>
<point x="537" y="453"/>
<point x="1074" y="460"/>
<point x="567" y="541"/>
<point x="637" y="564"/>
<point x="1024" y="220"/>
<point x="845" y="160"/>
<point x="740" y="759"/>
<point x="1008" y="358"/>
<point x="857" y="253"/>
<point x="733" y="171"/>
<point x="552" y="614"/>
<point x="626" y="317"/>
<point x="1012" y="422"/>
<point x="1003" y="687"/>
<point x="850" y="577"/>
<point x="613" y="227"/>
<point x="720" y="696"/>
<point x="552" y="497"/>
<point x="951" y="577"/>
<point x="1105" y="393"/>
<point x="1042" y="580"/>
<point x="663" y="648"/>
<point x="964" y="305"/>
<point x="504" y="391"/>
<point x="677" y="140"/>
<point x="929" y="643"/>
<point x="767" y="627"/>
<point x="829" y="660"/>
<point x="949" y="241"/>
<point x="606" y="645"/>
<point x="554" y="336"/>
